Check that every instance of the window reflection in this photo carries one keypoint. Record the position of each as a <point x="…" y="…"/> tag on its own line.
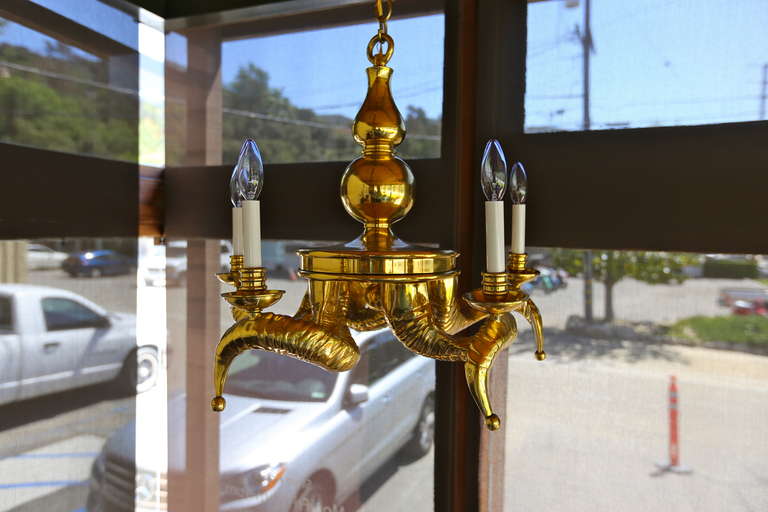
<point x="84" y="78"/>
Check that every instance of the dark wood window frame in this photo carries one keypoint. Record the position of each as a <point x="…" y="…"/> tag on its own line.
<point x="697" y="189"/>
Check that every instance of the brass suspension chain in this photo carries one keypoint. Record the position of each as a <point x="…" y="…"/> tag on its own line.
<point x="381" y="38"/>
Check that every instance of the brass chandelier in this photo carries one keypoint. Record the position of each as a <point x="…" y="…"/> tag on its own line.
<point x="378" y="280"/>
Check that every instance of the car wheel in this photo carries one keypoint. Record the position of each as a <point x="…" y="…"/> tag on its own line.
<point x="314" y="496"/>
<point x="424" y="433"/>
<point x="140" y="370"/>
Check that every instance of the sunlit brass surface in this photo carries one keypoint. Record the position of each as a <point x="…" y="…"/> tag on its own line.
<point x="377" y="279"/>
<point x="235" y="264"/>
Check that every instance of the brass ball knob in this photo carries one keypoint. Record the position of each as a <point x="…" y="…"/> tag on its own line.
<point x="218" y="403"/>
<point x="493" y="422"/>
<point x="377" y="190"/>
<point x="541" y="355"/>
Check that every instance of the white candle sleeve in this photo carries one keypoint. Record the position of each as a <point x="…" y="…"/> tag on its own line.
<point x="494" y="236"/>
<point x="252" y="233"/>
<point x="237" y="231"/>
<point x="518" y="228"/>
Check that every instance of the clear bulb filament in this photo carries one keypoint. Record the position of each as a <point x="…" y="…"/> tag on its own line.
<point x="493" y="171"/>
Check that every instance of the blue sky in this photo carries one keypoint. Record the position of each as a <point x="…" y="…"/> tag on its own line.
<point x="325" y="68"/>
<point x="656" y="62"/>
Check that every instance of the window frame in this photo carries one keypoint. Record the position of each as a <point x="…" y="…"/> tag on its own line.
<point x="484" y="88"/>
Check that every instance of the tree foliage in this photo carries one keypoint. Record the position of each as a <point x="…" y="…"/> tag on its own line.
<point x="65" y="115"/>
<point x="610" y="267"/>
<point x="287" y="133"/>
<point x="46" y="101"/>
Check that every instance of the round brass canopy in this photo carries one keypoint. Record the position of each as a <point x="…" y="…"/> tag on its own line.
<point x="357" y="262"/>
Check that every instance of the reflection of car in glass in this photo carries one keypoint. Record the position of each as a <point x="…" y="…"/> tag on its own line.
<point x="295" y="437"/>
<point x="548" y="280"/>
<point x="167" y="265"/>
<point x="53" y="340"/>
<point x="97" y="264"/>
<point x="747" y="307"/>
<point x="728" y="296"/>
<point x="40" y="257"/>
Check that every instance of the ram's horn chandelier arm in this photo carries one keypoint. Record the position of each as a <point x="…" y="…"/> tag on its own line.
<point x="378" y="280"/>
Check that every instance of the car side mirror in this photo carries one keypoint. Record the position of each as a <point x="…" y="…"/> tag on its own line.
<point x="103" y="322"/>
<point x="357" y="394"/>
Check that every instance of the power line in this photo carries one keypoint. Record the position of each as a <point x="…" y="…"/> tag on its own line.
<point x="61" y="76"/>
<point x="311" y="124"/>
<point x="243" y="113"/>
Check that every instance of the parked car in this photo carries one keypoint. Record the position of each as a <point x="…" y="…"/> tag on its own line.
<point x="167" y="265"/>
<point x="548" y="280"/>
<point x="97" y="264"/>
<point x="41" y="257"/>
<point x="53" y="340"/>
<point x="294" y="437"/>
<point x="750" y="307"/>
<point x="728" y="296"/>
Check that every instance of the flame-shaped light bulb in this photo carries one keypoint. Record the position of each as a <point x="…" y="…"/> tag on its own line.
<point x="493" y="178"/>
<point x="249" y="171"/>
<point x="518" y="184"/>
<point x="518" y="192"/>
<point x="493" y="171"/>
<point x="235" y="190"/>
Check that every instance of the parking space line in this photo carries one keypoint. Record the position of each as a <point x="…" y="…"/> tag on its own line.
<point x="55" y="483"/>
<point x="74" y="455"/>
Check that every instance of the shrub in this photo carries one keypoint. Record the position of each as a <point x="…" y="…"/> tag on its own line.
<point x="731" y="269"/>
<point x="736" y="329"/>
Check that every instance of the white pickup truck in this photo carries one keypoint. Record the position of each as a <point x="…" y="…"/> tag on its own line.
<point x="53" y="340"/>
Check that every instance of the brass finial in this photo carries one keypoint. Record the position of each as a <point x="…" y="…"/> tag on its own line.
<point x="377" y="188"/>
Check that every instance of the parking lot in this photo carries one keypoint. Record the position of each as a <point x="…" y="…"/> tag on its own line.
<point x="592" y="416"/>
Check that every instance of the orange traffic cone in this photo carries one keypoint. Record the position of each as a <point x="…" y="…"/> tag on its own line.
<point x="673" y="466"/>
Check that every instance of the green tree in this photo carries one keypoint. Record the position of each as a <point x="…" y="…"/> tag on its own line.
<point x="610" y="267"/>
<point x="287" y="133"/>
<point x="422" y="139"/>
<point x="47" y="105"/>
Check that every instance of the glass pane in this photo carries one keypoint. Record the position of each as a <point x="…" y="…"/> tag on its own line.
<point x="677" y="377"/>
<point x="649" y="63"/>
<point x="64" y="88"/>
<point x="296" y="94"/>
<point x="80" y="364"/>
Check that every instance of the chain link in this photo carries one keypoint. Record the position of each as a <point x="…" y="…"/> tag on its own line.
<point x="381" y="38"/>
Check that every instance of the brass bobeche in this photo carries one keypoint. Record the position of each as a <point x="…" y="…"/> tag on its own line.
<point x="377" y="279"/>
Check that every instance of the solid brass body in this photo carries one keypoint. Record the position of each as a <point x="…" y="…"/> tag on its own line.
<point x="377" y="279"/>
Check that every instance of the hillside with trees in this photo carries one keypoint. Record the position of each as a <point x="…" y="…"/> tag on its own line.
<point x="67" y="100"/>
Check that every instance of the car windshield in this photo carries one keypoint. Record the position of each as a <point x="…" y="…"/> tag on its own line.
<point x="260" y="374"/>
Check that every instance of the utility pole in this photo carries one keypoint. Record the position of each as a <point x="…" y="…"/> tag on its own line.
<point x="586" y="49"/>
<point x="764" y="92"/>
